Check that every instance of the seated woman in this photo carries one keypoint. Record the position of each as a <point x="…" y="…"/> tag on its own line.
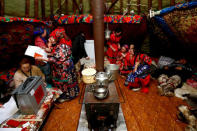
<point x="121" y="56"/>
<point x="139" y="77"/>
<point x="26" y="70"/>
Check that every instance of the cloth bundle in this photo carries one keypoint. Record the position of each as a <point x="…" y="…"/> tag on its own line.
<point x="167" y="85"/>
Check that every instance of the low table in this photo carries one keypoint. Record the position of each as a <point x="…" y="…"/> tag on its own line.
<point x="102" y="114"/>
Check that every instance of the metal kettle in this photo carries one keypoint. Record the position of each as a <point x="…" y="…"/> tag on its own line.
<point x="102" y="79"/>
<point x="101" y="89"/>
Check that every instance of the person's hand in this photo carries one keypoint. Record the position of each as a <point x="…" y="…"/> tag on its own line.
<point x="166" y="67"/>
<point x="45" y="84"/>
<point x="87" y="58"/>
<point x="112" y="48"/>
<point x="178" y="68"/>
<point x="1" y="105"/>
<point x="118" y="46"/>
<point x="41" y="59"/>
<point x="47" y="49"/>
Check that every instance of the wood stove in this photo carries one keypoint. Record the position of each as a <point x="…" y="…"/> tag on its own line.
<point x="101" y="114"/>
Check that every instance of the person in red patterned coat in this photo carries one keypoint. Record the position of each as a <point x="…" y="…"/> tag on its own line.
<point x="113" y="45"/>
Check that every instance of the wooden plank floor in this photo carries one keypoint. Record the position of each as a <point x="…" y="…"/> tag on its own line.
<point x="142" y="112"/>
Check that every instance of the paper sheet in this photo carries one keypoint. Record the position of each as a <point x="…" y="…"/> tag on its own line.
<point x="10" y="129"/>
<point x="8" y="110"/>
<point x="35" y="51"/>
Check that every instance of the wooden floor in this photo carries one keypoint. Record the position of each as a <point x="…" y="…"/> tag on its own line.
<point x="142" y="112"/>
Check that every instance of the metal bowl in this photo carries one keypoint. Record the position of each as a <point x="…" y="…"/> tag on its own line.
<point x="101" y="93"/>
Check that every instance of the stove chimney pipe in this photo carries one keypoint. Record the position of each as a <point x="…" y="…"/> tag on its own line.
<point x="98" y="28"/>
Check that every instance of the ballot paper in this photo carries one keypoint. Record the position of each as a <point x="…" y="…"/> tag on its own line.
<point x="35" y="51"/>
<point x="8" y="110"/>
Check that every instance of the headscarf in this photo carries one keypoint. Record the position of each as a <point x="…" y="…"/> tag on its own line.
<point x="126" y="46"/>
<point x="59" y="34"/>
<point x="39" y="31"/>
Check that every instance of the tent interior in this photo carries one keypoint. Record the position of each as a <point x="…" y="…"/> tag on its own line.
<point x="157" y="28"/>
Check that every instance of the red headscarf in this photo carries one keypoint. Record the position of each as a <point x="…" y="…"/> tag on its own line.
<point x="60" y="34"/>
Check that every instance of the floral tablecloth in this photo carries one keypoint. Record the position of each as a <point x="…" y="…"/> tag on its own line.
<point x="31" y="125"/>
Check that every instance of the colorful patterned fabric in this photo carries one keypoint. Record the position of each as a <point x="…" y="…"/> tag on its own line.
<point x="176" y="25"/>
<point x="71" y="19"/>
<point x="8" y="76"/>
<point x="14" y="19"/>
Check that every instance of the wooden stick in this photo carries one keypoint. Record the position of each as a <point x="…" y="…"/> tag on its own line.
<point x="172" y="2"/>
<point x="74" y="9"/>
<point x="76" y="5"/>
<point x="112" y="5"/>
<point x="27" y="6"/>
<point x="81" y="10"/>
<point x="2" y="8"/>
<point x="138" y="7"/>
<point x="121" y="6"/>
<point x="43" y="9"/>
<point x="149" y="4"/>
<point x="66" y="7"/>
<point x="36" y="9"/>
<point x="159" y="4"/>
<point x="59" y="6"/>
<point x="18" y="119"/>
<point x="129" y="6"/>
<point x="51" y="6"/>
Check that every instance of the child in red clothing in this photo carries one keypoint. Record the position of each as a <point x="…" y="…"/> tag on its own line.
<point x="121" y="56"/>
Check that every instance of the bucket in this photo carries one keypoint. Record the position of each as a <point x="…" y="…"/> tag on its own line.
<point x="88" y="75"/>
<point x="113" y="70"/>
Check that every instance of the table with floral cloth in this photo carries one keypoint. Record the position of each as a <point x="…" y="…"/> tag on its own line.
<point x="32" y="124"/>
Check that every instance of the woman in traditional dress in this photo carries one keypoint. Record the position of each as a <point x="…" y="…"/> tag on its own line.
<point x="137" y="64"/>
<point x="113" y="46"/>
<point x="63" y="72"/>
